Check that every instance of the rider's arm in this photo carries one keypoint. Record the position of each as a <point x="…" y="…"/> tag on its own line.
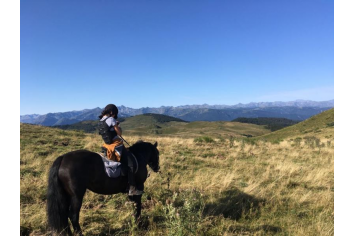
<point x="118" y="129"/>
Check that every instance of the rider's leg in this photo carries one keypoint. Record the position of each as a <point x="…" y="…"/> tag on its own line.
<point x="118" y="150"/>
<point x="104" y="151"/>
<point x="131" y="175"/>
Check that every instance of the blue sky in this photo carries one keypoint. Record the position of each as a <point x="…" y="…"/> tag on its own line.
<point x="85" y="54"/>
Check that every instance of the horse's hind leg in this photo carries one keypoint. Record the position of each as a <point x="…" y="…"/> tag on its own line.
<point x="75" y="205"/>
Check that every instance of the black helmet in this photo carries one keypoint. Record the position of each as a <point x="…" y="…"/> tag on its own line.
<point x="111" y="108"/>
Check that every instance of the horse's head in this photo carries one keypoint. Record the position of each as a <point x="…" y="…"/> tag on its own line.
<point x="149" y="151"/>
<point x="153" y="161"/>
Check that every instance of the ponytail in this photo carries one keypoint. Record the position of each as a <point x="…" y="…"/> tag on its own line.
<point x="111" y="108"/>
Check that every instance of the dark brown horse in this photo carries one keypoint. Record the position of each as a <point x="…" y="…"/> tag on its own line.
<point x="73" y="173"/>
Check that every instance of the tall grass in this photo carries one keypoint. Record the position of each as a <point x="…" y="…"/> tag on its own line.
<point x="225" y="187"/>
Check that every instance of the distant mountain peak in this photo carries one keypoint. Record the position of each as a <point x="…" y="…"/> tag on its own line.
<point x="203" y="112"/>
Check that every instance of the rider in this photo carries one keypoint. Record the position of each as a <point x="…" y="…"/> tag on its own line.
<point x="110" y="131"/>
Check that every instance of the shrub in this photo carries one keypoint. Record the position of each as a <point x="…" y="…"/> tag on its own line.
<point x="331" y="124"/>
<point x="232" y="141"/>
<point x="250" y="141"/>
<point x="276" y="141"/>
<point x="312" y="141"/>
<point x="205" y="139"/>
<point x="183" y="214"/>
<point x="297" y="141"/>
<point x="328" y="143"/>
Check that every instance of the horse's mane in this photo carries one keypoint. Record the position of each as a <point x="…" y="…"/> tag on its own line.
<point x="137" y="146"/>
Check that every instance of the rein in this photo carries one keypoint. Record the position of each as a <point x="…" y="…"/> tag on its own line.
<point x="124" y="140"/>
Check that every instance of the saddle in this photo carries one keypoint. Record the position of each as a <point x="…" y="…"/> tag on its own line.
<point x="115" y="169"/>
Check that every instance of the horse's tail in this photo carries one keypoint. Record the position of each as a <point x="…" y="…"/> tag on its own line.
<point x="57" y="201"/>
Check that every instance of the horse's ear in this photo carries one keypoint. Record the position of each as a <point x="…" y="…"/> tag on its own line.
<point x="155" y="144"/>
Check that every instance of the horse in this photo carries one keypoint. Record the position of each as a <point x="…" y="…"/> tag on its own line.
<point x="73" y="173"/>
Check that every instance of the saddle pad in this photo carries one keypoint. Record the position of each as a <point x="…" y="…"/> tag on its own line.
<point x="112" y="168"/>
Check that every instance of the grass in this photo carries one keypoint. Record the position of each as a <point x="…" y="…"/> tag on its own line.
<point x="322" y="123"/>
<point x="228" y="185"/>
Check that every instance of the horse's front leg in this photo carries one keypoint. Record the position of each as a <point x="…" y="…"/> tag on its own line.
<point x="138" y="206"/>
<point x="137" y="199"/>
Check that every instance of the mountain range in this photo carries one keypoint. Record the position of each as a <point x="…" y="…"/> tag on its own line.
<point x="294" y="110"/>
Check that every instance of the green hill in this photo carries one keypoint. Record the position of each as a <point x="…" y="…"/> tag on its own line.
<point x="221" y="129"/>
<point x="148" y="122"/>
<point x="88" y="126"/>
<point x="271" y="123"/>
<point x="318" y="125"/>
<point x="156" y="124"/>
<point x="163" y="118"/>
<point x="169" y="126"/>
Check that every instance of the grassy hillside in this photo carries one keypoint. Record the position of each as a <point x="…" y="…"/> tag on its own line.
<point x="220" y="129"/>
<point x="321" y="125"/>
<point x="161" y="125"/>
<point x="216" y="186"/>
<point x="192" y="129"/>
<point x="271" y="123"/>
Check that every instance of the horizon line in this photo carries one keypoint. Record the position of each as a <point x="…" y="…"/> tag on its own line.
<point x="204" y="104"/>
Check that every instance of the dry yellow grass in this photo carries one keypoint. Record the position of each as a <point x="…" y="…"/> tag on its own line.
<point x="215" y="188"/>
